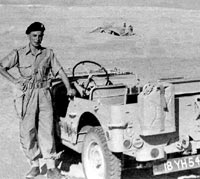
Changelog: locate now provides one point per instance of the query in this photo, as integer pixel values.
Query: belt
(43, 84)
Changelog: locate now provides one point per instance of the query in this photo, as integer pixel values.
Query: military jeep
(114, 117)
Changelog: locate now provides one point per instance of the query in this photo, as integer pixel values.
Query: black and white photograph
(105, 89)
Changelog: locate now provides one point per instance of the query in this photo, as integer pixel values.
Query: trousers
(36, 127)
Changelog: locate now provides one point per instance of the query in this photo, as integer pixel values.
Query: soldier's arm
(64, 77)
(7, 75)
(8, 62)
(58, 70)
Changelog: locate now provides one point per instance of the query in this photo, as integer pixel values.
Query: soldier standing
(35, 63)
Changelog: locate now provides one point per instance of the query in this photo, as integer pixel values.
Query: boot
(53, 173)
(34, 171)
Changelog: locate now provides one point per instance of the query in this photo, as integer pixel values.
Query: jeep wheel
(98, 161)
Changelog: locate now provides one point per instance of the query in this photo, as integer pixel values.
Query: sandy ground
(166, 44)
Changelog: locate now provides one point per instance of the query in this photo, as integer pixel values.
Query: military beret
(35, 26)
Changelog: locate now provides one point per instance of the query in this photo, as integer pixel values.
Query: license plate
(177, 164)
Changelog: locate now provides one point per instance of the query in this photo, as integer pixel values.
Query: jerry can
(156, 109)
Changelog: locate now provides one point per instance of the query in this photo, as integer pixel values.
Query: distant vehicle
(115, 30)
(115, 118)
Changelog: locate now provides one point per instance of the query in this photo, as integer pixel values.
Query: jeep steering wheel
(90, 74)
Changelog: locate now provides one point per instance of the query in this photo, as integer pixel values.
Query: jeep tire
(98, 161)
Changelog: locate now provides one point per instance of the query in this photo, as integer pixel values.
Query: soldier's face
(35, 38)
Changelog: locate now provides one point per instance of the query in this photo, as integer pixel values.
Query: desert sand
(166, 44)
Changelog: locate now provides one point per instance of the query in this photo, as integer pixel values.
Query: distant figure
(130, 29)
(123, 30)
(34, 64)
